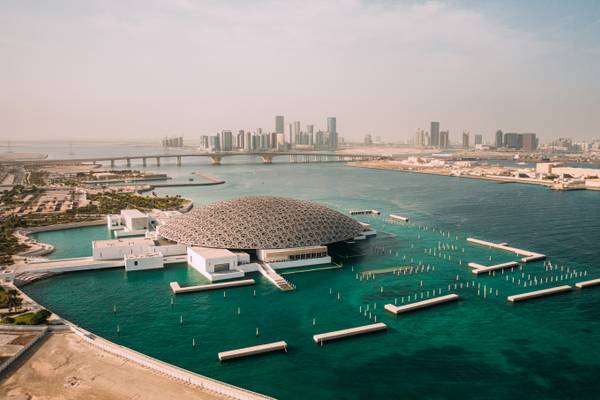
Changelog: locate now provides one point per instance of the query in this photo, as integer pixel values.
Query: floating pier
(420, 304)
(539, 293)
(528, 256)
(253, 350)
(482, 269)
(359, 330)
(362, 212)
(584, 284)
(398, 218)
(176, 289)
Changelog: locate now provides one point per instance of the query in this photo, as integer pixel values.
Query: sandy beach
(65, 367)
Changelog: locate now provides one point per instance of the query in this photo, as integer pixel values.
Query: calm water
(476, 348)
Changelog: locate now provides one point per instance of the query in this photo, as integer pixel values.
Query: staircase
(268, 272)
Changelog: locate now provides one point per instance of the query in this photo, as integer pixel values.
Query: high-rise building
(319, 138)
(368, 140)
(248, 141)
(279, 124)
(444, 139)
(465, 140)
(204, 142)
(226, 141)
(332, 132)
(478, 139)
(499, 140)
(512, 140)
(240, 139)
(215, 143)
(435, 133)
(297, 137)
(529, 141)
(291, 133)
(273, 143)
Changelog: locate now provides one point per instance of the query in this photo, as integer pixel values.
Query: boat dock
(176, 289)
(528, 256)
(420, 304)
(253, 350)
(584, 284)
(539, 293)
(272, 276)
(344, 333)
(364, 212)
(478, 269)
(398, 218)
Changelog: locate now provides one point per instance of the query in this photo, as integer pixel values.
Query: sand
(66, 367)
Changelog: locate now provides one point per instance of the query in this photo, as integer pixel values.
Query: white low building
(294, 257)
(114, 249)
(219, 264)
(140, 262)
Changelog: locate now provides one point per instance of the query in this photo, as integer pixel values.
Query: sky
(142, 70)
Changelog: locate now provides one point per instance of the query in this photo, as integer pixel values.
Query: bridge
(266, 157)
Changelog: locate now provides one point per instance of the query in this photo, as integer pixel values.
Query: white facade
(118, 248)
(294, 257)
(143, 261)
(217, 264)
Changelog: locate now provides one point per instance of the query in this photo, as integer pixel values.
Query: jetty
(539, 293)
(344, 333)
(177, 289)
(420, 304)
(398, 218)
(584, 284)
(478, 269)
(528, 256)
(253, 350)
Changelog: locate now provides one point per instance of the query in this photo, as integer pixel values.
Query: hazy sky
(144, 69)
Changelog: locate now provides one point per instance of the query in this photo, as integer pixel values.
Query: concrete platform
(398, 218)
(344, 333)
(584, 284)
(176, 289)
(253, 350)
(528, 256)
(420, 304)
(483, 269)
(539, 293)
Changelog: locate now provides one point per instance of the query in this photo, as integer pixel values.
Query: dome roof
(260, 222)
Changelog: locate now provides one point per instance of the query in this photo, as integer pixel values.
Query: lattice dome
(260, 222)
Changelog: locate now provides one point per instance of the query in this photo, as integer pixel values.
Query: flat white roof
(100, 244)
(209, 252)
(133, 213)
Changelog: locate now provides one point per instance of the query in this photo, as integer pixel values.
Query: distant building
(215, 143)
(291, 133)
(248, 142)
(435, 133)
(332, 132)
(320, 138)
(204, 142)
(529, 141)
(279, 124)
(241, 138)
(478, 139)
(297, 131)
(444, 139)
(499, 140)
(226, 141)
(368, 140)
(172, 142)
(512, 140)
(465, 140)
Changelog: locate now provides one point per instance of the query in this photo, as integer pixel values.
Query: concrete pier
(398, 217)
(359, 330)
(365, 212)
(253, 350)
(528, 256)
(420, 304)
(539, 293)
(478, 269)
(176, 289)
(584, 284)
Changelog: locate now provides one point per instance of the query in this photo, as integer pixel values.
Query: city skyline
(141, 70)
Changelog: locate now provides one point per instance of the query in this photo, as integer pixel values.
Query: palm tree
(13, 301)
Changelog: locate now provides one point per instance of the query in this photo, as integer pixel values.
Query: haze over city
(141, 70)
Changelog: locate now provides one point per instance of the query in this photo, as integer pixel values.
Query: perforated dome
(261, 222)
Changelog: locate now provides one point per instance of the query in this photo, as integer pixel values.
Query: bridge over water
(266, 157)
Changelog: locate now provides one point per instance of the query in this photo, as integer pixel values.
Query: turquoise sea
(480, 347)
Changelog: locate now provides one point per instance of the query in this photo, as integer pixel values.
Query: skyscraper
(444, 139)
(499, 141)
(512, 140)
(435, 133)
(279, 124)
(332, 131)
(226, 141)
(291, 133)
(297, 138)
(529, 141)
(478, 139)
(465, 140)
